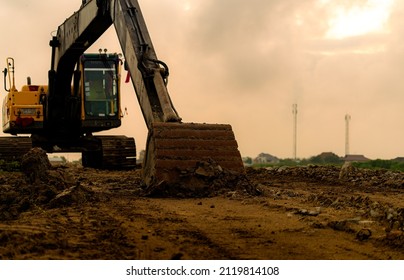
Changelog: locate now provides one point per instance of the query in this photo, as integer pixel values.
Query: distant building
(265, 158)
(355, 158)
(56, 160)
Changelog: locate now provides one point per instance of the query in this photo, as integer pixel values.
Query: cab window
(100, 89)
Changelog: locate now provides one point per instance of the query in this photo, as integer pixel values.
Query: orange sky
(246, 62)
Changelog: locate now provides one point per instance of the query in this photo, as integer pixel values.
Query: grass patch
(9, 165)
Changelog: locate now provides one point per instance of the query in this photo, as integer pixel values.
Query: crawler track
(118, 152)
(13, 148)
(114, 152)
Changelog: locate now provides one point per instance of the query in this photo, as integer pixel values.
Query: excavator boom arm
(84, 27)
(148, 77)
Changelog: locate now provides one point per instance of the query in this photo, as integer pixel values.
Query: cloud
(249, 43)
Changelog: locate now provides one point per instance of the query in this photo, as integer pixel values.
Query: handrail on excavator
(9, 71)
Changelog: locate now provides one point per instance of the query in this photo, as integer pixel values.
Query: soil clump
(40, 186)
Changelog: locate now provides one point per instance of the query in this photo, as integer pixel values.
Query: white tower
(294, 111)
(347, 120)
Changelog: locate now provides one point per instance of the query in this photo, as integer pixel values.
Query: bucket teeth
(202, 151)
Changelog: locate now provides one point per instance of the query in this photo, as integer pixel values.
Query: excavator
(83, 97)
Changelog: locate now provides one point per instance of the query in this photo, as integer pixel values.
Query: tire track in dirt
(222, 228)
(73, 233)
(160, 233)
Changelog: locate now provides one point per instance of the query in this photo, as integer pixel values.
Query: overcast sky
(246, 62)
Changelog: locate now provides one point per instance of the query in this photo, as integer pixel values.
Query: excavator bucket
(189, 159)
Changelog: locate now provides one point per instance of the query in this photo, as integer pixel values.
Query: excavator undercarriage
(104, 152)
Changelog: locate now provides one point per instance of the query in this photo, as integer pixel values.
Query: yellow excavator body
(181, 158)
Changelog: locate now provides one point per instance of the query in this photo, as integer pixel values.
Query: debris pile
(206, 179)
(336, 175)
(35, 165)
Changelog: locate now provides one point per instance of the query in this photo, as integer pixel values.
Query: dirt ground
(308, 212)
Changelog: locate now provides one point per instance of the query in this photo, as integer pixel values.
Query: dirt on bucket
(206, 179)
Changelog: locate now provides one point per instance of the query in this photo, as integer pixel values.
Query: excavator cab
(100, 91)
(100, 110)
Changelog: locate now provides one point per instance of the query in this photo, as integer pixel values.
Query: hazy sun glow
(187, 6)
(360, 19)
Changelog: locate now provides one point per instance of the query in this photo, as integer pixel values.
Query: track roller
(115, 152)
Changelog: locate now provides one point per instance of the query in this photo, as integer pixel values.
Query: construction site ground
(295, 213)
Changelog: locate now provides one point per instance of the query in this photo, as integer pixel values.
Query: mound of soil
(40, 186)
(35, 165)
